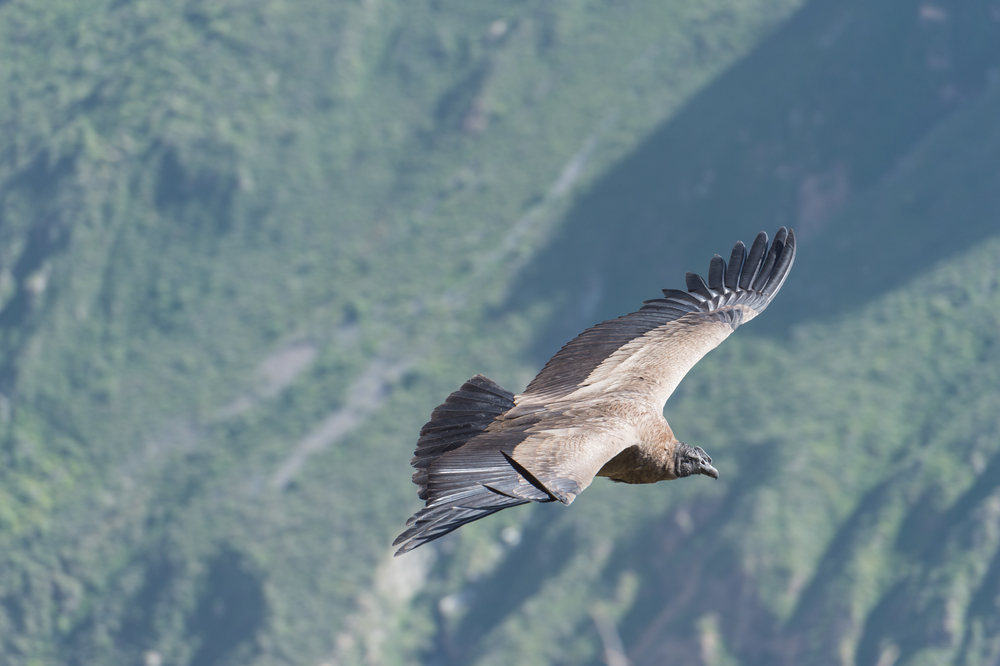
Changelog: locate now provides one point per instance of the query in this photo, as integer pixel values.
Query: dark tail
(465, 484)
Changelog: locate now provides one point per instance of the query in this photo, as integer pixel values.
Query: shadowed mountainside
(841, 106)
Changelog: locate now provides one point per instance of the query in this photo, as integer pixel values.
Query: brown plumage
(595, 409)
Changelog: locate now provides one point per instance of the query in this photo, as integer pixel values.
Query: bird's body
(596, 409)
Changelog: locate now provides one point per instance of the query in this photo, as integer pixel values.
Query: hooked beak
(694, 460)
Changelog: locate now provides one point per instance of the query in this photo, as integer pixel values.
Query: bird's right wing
(733, 294)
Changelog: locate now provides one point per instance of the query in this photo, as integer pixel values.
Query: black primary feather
(752, 264)
(696, 285)
(736, 260)
(717, 274)
(765, 270)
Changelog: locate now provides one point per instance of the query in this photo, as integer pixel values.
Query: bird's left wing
(644, 355)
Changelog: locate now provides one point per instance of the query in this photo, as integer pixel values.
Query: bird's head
(693, 460)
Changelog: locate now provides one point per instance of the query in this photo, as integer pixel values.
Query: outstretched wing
(733, 294)
(646, 354)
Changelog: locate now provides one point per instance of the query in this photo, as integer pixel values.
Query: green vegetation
(245, 247)
(222, 224)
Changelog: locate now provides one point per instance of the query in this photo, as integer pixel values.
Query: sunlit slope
(235, 237)
(855, 516)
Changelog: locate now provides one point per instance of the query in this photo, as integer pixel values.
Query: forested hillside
(245, 247)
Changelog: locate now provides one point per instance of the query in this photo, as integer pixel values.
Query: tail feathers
(435, 521)
(465, 486)
(466, 413)
(463, 481)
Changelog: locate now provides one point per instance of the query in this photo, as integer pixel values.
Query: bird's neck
(649, 461)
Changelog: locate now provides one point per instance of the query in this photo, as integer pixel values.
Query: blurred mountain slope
(246, 247)
(240, 244)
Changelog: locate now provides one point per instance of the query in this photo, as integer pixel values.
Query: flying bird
(595, 409)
